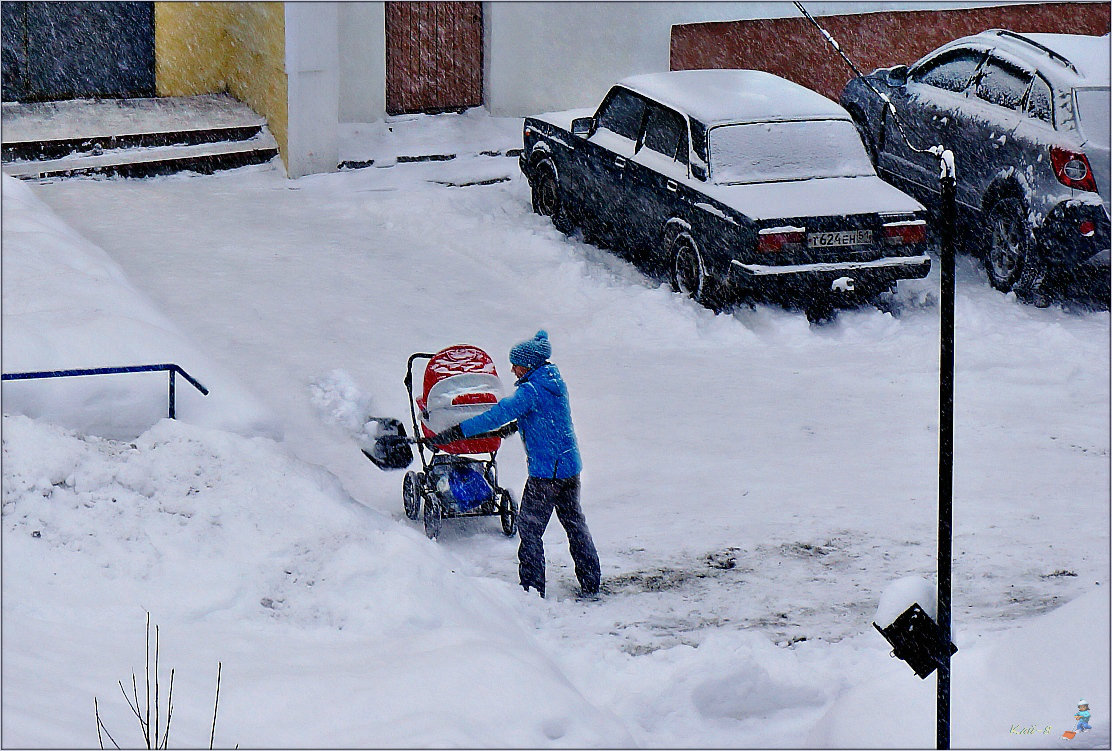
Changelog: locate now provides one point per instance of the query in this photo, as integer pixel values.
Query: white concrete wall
(543, 56)
(312, 70)
(362, 62)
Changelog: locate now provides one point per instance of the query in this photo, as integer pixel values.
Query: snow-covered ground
(753, 483)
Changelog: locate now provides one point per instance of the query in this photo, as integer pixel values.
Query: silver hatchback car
(1027, 116)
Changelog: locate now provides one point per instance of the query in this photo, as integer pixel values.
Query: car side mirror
(582, 126)
(897, 76)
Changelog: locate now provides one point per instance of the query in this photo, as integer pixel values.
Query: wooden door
(66, 50)
(434, 56)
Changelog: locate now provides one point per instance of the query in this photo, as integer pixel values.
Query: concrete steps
(132, 137)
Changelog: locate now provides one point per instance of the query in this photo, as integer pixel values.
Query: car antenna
(936, 150)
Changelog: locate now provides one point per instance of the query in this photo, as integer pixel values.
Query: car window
(792, 150)
(951, 72)
(665, 133)
(621, 113)
(1093, 110)
(1002, 84)
(1039, 101)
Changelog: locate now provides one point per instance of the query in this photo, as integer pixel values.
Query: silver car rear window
(793, 150)
(1093, 112)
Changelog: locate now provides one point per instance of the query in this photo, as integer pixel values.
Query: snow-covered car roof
(1088, 55)
(718, 96)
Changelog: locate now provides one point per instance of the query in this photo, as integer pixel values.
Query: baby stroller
(459, 382)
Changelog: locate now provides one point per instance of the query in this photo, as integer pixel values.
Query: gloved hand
(451, 435)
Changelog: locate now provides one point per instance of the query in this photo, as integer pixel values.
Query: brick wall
(794, 49)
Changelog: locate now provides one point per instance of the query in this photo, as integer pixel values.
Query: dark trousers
(541, 496)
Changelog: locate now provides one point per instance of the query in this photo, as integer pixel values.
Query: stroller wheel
(411, 495)
(432, 516)
(507, 510)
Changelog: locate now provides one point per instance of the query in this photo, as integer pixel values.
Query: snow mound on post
(901, 595)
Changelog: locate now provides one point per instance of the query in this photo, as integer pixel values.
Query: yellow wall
(233, 47)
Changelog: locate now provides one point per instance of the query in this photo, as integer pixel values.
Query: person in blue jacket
(542, 413)
(1082, 716)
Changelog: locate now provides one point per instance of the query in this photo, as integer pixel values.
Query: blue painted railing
(170, 367)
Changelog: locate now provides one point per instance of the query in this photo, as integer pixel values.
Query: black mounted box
(916, 639)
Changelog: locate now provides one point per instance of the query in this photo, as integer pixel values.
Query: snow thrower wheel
(432, 516)
(411, 495)
(507, 511)
(1009, 241)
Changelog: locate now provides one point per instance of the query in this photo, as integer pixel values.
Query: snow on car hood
(832, 196)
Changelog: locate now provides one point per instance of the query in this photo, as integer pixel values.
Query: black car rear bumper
(832, 276)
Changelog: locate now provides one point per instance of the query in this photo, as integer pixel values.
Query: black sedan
(731, 182)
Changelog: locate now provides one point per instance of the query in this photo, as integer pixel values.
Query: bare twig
(169, 710)
(160, 738)
(134, 708)
(155, 687)
(147, 657)
(96, 712)
(216, 706)
(100, 726)
(135, 693)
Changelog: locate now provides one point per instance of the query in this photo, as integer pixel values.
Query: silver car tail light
(1072, 169)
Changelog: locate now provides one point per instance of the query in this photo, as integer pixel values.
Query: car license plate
(839, 239)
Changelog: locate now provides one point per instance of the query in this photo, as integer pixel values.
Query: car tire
(1008, 243)
(545, 189)
(688, 269)
(411, 495)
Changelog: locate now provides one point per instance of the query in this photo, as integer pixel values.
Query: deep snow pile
(66, 305)
(246, 556)
(754, 485)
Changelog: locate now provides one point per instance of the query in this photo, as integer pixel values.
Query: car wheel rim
(547, 198)
(1007, 248)
(689, 270)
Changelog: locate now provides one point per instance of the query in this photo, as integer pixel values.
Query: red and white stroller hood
(460, 382)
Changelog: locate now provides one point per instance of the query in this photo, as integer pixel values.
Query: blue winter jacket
(540, 406)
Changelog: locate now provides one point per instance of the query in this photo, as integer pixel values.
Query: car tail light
(777, 239)
(1087, 228)
(905, 233)
(1072, 169)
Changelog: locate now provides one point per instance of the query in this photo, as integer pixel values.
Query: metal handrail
(172, 368)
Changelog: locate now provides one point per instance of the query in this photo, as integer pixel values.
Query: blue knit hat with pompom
(531, 353)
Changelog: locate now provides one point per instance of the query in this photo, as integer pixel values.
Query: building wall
(313, 79)
(794, 49)
(214, 47)
(362, 42)
(544, 56)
